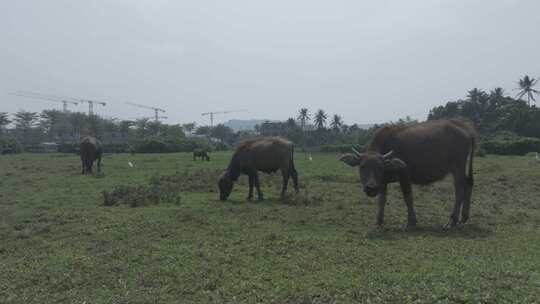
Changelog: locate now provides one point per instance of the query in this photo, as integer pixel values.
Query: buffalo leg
(459, 189)
(294, 176)
(89, 165)
(258, 186)
(99, 164)
(83, 163)
(381, 204)
(251, 181)
(406, 189)
(286, 175)
(466, 203)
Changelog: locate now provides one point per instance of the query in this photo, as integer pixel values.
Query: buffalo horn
(388, 155)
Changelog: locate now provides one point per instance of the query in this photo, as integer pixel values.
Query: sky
(368, 61)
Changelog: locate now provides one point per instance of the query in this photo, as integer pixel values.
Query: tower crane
(218, 112)
(33, 95)
(65, 100)
(156, 110)
(90, 104)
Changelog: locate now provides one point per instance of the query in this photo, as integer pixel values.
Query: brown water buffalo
(420, 154)
(90, 150)
(266, 154)
(200, 153)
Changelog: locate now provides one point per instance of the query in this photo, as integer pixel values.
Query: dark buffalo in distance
(266, 154)
(419, 154)
(90, 150)
(6, 151)
(200, 153)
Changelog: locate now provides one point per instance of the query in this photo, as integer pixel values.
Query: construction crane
(220, 112)
(45, 97)
(90, 104)
(156, 110)
(66, 100)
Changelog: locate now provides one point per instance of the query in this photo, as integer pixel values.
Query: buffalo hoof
(260, 199)
(411, 223)
(452, 223)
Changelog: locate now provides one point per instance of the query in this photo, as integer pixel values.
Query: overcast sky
(369, 61)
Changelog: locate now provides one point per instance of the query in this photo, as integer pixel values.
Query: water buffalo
(90, 150)
(419, 154)
(200, 153)
(266, 154)
(6, 151)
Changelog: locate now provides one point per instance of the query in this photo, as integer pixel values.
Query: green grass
(60, 244)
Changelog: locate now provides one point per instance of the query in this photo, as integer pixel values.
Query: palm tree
(526, 87)
(320, 119)
(291, 123)
(477, 95)
(497, 93)
(496, 96)
(337, 123)
(303, 117)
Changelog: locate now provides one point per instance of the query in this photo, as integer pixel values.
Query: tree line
(492, 112)
(495, 111)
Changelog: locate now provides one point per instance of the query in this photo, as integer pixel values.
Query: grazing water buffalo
(6, 151)
(90, 151)
(200, 153)
(418, 154)
(266, 154)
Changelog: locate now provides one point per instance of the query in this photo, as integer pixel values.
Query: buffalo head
(225, 184)
(372, 167)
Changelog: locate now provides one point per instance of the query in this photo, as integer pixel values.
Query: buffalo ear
(350, 159)
(395, 164)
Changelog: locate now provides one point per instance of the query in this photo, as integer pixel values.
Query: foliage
(526, 87)
(303, 117)
(168, 145)
(4, 121)
(510, 145)
(157, 191)
(320, 119)
(337, 123)
(493, 113)
(11, 144)
(224, 134)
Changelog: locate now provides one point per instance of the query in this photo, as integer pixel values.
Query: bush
(157, 191)
(73, 147)
(11, 145)
(510, 145)
(172, 145)
(152, 145)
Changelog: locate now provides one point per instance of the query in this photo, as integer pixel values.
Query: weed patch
(157, 191)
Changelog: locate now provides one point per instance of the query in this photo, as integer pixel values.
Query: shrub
(170, 145)
(72, 147)
(11, 144)
(510, 145)
(157, 191)
(151, 145)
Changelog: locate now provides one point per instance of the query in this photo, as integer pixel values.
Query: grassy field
(60, 244)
